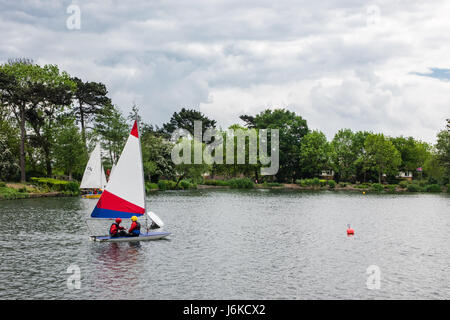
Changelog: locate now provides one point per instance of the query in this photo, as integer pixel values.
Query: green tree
(90, 100)
(413, 153)
(189, 169)
(156, 155)
(292, 128)
(434, 169)
(315, 154)
(8, 165)
(33, 94)
(344, 154)
(361, 164)
(11, 97)
(443, 150)
(184, 119)
(48, 106)
(69, 150)
(112, 130)
(239, 146)
(9, 132)
(381, 155)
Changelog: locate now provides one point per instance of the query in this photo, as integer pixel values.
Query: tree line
(50, 120)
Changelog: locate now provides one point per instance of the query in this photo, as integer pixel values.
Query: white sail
(124, 195)
(104, 181)
(94, 175)
(112, 170)
(128, 180)
(157, 220)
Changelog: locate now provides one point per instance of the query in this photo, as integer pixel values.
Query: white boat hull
(142, 237)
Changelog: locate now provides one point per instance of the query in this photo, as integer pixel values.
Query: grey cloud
(164, 55)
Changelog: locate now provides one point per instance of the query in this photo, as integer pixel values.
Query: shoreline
(37, 195)
(16, 191)
(32, 191)
(293, 186)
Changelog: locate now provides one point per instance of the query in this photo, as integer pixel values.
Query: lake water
(225, 244)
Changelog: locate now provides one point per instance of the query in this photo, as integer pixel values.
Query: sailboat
(124, 195)
(94, 175)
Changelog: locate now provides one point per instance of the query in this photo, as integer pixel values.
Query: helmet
(133, 218)
(118, 220)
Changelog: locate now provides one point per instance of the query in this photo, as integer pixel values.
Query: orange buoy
(350, 231)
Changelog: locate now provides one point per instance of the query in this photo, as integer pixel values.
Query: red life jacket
(114, 228)
(135, 228)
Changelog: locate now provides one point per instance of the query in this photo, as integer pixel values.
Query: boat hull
(142, 237)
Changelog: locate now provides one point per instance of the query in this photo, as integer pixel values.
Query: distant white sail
(104, 181)
(94, 175)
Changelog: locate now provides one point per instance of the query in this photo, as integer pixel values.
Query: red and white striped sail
(124, 195)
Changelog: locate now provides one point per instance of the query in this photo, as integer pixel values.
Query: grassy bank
(235, 183)
(403, 186)
(163, 185)
(46, 187)
(38, 187)
(302, 184)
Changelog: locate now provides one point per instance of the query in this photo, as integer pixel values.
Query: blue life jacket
(137, 230)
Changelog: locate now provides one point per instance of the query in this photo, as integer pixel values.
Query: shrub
(414, 188)
(343, 184)
(166, 185)
(315, 182)
(185, 184)
(73, 187)
(448, 188)
(421, 183)
(378, 187)
(212, 182)
(150, 186)
(22, 190)
(162, 185)
(272, 184)
(323, 183)
(332, 184)
(303, 182)
(433, 188)
(391, 187)
(10, 193)
(172, 185)
(49, 184)
(241, 183)
(2, 184)
(403, 184)
(432, 180)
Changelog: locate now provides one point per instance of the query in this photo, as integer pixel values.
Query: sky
(381, 66)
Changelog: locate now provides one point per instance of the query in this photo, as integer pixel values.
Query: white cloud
(329, 61)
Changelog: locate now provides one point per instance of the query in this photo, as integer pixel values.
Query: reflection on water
(226, 244)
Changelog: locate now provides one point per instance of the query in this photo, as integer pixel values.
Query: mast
(143, 176)
(101, 165)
